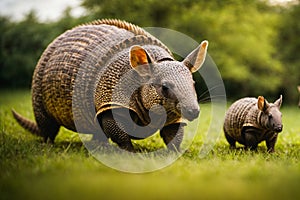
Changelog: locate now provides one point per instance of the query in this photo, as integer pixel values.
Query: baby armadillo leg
(173, 135)
(230, 140)
(115, 130)
(271, 144)
(251, 139)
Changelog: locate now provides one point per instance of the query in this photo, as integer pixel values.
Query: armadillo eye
(167, 89)
(270, 116)
(165, 86)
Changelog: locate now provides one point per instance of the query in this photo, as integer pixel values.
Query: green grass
(30, 169)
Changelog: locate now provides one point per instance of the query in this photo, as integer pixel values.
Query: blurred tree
(143, 13)
(288, 50)
(22, 43)
(21, 46)
(67, 21)
(241, 35)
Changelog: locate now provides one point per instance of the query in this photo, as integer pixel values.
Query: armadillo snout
(278, 128)
(191, 113)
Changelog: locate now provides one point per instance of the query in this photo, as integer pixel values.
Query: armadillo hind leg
(230, 140)
(172, 135)
(115, 130)
(48, 127)
(45, 127)
(49, 130)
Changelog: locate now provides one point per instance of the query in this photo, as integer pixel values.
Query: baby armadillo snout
(278, 128)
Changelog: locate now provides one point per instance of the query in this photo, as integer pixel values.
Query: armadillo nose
(191, 113)
(278, 128)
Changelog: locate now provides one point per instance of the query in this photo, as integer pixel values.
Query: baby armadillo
(101, 62)
(250, 121)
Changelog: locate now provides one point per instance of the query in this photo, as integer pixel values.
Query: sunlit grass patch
(31, 169)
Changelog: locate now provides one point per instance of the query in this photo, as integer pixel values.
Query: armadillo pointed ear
(197, 57)
(298, 88)
(278, 102)
(140, 60)
(262, 104)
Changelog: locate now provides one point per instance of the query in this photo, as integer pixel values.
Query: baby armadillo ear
(197, 57)
(298, 88)
(278, 102)
(140, 60)
(262, 104)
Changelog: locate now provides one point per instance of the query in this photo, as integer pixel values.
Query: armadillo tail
(26, 123)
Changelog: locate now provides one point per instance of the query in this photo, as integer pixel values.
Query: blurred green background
(254, 43)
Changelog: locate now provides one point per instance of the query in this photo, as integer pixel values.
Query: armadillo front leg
(250, 137)
(115, 130)
(271, 143)
(173, 135)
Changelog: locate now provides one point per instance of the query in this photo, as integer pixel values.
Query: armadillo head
(170, 83)
(271, 116)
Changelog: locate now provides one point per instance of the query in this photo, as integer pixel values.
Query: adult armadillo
(102, 52)
(250, 121)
